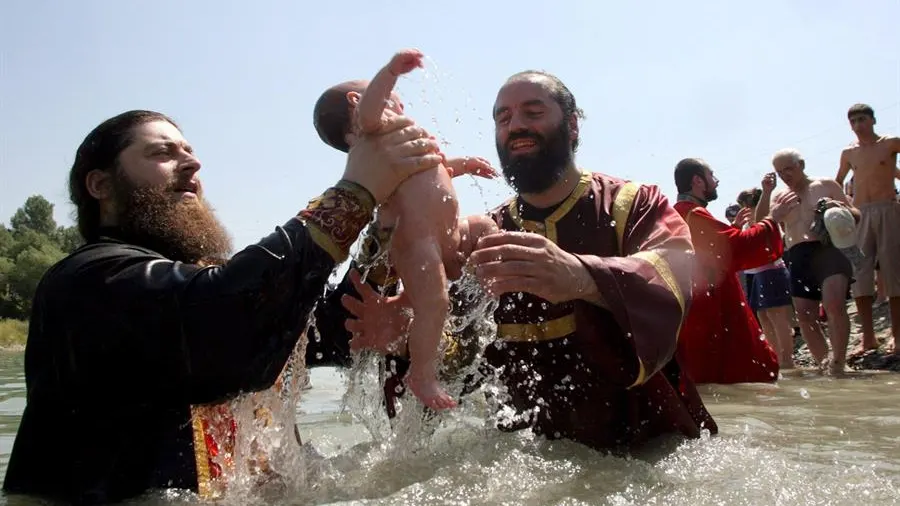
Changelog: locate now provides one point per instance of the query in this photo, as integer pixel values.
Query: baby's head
(333, 114)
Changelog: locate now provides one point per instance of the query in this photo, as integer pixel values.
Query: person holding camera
(769, 292)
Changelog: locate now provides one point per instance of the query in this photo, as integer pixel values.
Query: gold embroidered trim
(335, 218)
(543, 331)
(365, 197)
(382, 276)
(325, 242)
(642, 374)
(664, 271)
(201, 457)
(547, 228)
(452, 346)
(621, 209)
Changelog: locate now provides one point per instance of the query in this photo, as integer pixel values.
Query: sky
(730, 82)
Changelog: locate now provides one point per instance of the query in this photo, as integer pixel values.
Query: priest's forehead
(528, 90)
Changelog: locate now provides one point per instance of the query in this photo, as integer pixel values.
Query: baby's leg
(473, 228)
(419, 264)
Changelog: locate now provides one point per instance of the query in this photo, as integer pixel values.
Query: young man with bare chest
(873, 160)
(819, 271)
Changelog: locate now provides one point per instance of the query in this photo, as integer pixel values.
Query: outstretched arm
(207, 333)
(739, 249)
(372, 104)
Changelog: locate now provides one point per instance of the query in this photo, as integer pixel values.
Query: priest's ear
(573, 131)
(99, 184)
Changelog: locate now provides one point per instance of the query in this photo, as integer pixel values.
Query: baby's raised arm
(371, 105)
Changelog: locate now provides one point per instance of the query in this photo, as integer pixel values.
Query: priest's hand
(743, 217)
(381, 161)
(381, 322)
(509, 262)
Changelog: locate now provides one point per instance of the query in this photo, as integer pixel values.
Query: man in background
(873, 160)
(720, 341)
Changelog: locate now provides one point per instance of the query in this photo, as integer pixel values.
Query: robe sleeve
(647, 290)
(328, 340)
(734, 249)
(205, 334)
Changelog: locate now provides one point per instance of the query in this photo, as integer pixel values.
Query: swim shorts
(770, 288)
(810, 263)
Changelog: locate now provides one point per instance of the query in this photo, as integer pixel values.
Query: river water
(806, 440)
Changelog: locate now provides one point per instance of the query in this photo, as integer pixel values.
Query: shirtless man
(430, 243)
(873, 160)
(818, 272)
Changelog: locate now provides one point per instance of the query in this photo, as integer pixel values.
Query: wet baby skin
(430, 242)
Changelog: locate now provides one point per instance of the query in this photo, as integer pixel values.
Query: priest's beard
(710, 193)
(186, 231)
(536, 172)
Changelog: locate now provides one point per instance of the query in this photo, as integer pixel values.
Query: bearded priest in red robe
(721, 341)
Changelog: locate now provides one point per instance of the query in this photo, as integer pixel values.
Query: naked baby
(430, 242)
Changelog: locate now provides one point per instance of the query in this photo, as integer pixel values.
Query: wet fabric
(770, 288)
(810, 263)
(605, 377)
(721, 340)
(127, 350)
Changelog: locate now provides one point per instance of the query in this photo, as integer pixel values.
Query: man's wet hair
(685, 170)
(560, 93)
(860, 109)
(332, 116)
(100, 150)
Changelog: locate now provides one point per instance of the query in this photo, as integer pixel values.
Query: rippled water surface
(807, 440)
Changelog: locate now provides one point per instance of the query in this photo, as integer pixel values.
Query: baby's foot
(429, 391)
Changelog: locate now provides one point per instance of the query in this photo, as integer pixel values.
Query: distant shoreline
(13, 334)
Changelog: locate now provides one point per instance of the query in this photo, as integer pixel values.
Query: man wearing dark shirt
(153, 316)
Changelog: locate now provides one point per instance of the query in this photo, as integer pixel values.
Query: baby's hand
(474, 165)
(405, 61)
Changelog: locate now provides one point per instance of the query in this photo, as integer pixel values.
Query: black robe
(124, 342)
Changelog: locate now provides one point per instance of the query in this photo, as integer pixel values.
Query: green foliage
(30, 246)
(13, 333)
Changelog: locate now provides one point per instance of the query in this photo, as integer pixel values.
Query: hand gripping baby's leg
(420, 267)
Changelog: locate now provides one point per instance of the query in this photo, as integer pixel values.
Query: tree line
(28, 247)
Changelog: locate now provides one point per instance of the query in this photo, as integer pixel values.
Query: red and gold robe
(605, 377)
(721, 341)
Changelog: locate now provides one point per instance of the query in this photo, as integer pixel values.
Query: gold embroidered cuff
(365, 196)
(543, 331)
(383, 276)
(336, 217)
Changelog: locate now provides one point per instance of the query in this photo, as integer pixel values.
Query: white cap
(841, 227)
